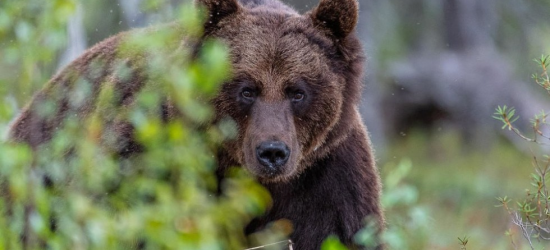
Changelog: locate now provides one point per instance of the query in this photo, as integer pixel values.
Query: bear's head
(294, 79)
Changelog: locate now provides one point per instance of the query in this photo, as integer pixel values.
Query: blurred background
(436, 71)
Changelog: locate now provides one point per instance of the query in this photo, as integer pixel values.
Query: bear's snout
(271, 150)
(273, 155)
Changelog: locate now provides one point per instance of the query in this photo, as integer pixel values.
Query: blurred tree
(436, 61)
(468, 23)
(76, 38)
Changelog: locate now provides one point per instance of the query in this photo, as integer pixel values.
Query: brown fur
(329, 184)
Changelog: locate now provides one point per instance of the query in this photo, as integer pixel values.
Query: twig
(272, 244)
(524, 231)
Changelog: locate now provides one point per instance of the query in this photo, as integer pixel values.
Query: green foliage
(333, 243)
(452, 189)
(531, 215)
(543, 79)
(506, 115)
(31, 33)
(407, 219)
(75, 192)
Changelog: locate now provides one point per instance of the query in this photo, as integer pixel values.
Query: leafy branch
(532, 215)
(543, 79)
(508, 116)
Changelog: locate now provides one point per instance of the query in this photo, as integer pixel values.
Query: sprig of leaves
(543, 79)
(463, 242)
(508, 116)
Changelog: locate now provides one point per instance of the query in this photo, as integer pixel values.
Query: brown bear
(294, 95)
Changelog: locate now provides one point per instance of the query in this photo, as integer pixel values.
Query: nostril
(272, 153)
(280, 154)
(267, 154)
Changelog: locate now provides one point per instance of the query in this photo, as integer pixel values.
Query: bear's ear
(339, 17)
(218, 9)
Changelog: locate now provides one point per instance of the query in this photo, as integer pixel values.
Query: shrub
(532, 214)
(74, 192)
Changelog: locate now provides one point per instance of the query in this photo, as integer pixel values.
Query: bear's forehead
(278, 48)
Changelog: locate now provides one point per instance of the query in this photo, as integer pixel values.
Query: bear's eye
(247, 93)
(298, 96)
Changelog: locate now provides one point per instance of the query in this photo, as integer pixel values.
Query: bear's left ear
(218, 9)
(339, 17)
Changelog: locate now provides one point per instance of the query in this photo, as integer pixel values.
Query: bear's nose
(272, 154)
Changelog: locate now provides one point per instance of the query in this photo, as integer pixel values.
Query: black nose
(272, 153)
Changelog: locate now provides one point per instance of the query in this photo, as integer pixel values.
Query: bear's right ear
(218, 9)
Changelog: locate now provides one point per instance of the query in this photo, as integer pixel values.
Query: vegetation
(74, 193)
(532, 214)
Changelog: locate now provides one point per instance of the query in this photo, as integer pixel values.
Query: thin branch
(289, 242)
(524, 231)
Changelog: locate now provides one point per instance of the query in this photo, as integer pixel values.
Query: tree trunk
(76, 38)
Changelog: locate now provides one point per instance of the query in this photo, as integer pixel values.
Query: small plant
(532, 214)
(543, 79)
(463, 242)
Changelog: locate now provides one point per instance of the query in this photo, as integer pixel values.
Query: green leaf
(333, 243)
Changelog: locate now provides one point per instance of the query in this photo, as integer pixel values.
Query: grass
(456, 188)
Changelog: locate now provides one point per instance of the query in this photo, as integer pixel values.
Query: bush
(531, 215)
(74, 192)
